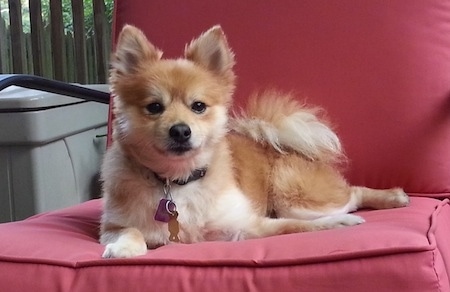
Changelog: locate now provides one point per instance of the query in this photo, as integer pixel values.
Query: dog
(182, 168)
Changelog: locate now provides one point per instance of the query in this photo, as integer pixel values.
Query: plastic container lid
(19, 98)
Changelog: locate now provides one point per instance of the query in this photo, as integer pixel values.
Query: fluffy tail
(284, 123)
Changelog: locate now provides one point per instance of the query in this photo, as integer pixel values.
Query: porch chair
(381, 69)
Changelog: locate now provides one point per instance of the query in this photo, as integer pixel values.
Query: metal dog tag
(165, 209)
(174, 227)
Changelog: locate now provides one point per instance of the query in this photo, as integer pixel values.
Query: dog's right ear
(133, 49)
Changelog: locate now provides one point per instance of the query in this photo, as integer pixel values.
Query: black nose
(180, 132)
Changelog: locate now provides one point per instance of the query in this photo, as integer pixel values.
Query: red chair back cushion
(381, 69)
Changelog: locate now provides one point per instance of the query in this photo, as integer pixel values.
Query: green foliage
(88, 14)
(66, 10)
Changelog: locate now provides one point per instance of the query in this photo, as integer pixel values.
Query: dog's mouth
(179, 148)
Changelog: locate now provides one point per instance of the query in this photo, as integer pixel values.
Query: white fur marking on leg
(307, 214)
(125, 247)
(340, 220)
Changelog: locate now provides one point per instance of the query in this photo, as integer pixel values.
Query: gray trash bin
(50, 152)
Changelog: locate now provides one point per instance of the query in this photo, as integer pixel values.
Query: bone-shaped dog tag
(174, 227)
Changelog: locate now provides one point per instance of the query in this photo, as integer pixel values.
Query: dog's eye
(198, 107)
(155, 108)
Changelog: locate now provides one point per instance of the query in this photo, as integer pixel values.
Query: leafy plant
(66, 11)
(88, 14)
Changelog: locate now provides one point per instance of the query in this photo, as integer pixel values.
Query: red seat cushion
(408, 248)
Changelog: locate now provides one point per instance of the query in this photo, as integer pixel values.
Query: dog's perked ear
(133, 49)
(211, 51)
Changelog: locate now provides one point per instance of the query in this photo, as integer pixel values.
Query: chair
(380, 68)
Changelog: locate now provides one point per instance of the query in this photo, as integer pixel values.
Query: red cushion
(380, 68)
(395, 250)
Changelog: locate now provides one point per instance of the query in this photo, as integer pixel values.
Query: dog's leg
(309, 190)
(124, 243)
(379, 199)
(334, 217)
(264, 226)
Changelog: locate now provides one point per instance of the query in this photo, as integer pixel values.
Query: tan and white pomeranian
(181, 169)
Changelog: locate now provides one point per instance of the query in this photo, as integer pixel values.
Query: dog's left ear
(212, 52)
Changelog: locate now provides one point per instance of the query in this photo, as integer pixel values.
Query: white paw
(337, 221)
(125, 249)
(349, 220)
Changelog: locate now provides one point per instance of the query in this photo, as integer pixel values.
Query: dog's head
(170, 108)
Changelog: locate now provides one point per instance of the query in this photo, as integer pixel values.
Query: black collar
(195, 175)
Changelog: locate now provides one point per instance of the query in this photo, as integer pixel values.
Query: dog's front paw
(117, 250)
(129, 244)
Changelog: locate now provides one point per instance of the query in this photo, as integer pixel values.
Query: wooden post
(15, 16)
(36, 35)
(2, 37)
(100, 38)
(79, 36)
(3, 46)
(58, 48)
